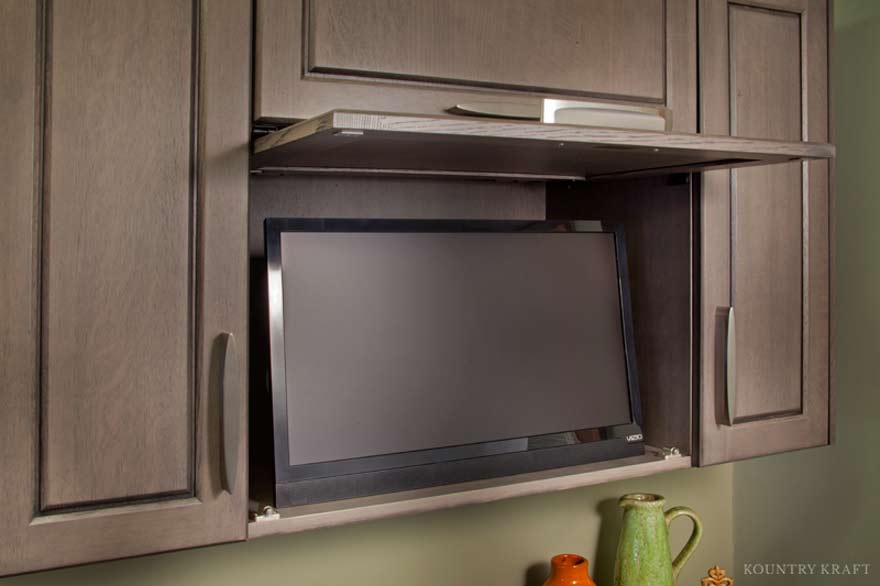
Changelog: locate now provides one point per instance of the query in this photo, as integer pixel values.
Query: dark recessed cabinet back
(123, 251)
(424, 57)
(765, 233)
(660, 258)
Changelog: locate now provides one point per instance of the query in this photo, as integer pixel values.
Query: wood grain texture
(656, 216)
(32, 540)
(767, 290)
(681, 64)
(565, 46)
(832, 227)
(765, 235)
(375, 140)
(765, 56)
(661, 70)
(19, 115)
(308, 517)
(117, 318)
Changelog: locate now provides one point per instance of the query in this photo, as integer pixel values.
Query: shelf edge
(340, 120)
(429, 174)
(296, 519)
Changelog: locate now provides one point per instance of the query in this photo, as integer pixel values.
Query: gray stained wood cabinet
(124, 209)
(765, 233)
(123, 249)
(312, 56)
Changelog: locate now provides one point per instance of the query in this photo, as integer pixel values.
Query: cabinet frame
(34, 538)
(285, 89)
(718, 438)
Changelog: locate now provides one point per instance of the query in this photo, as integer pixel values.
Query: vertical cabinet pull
(730, 365)
(230, 409)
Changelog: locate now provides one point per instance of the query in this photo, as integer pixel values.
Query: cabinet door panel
(767, 242)
(424, 57)
(124, 250)
(767, 291)
(567, 46)
(117, 282)
(765, 232)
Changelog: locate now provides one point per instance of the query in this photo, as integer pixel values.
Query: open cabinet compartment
(656, 214)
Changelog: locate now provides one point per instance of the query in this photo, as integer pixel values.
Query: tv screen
(410, 343)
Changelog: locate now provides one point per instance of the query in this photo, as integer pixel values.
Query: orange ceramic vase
(569, 569)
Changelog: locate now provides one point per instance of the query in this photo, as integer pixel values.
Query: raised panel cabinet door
(765, 384)
(123, 249)
(424, 57)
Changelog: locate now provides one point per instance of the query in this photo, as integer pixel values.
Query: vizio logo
(635, 437)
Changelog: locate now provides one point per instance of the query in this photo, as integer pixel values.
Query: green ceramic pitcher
(643, 557)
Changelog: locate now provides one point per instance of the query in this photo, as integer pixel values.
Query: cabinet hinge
(266, 514)
(666, 452)
(670, 452)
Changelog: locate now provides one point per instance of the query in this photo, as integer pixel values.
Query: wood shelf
(373, 143)
(330, 514)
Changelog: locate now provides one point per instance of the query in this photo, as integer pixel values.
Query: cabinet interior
(656, 214)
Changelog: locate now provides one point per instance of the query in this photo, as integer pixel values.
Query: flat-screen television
(411, 353)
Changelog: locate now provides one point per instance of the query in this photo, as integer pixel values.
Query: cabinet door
(765, 233)
(426, 56)
(123, 253)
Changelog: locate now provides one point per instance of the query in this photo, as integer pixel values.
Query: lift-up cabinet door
(123, 255)
(425, 56)
(765, 233)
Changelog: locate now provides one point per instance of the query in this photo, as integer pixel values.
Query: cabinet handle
(230, 408)
(730, 365)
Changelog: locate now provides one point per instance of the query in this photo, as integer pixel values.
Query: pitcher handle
(689, 547)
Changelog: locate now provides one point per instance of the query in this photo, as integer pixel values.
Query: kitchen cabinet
(123, 249)
(125, 157)
(765, 233)
(425, 57)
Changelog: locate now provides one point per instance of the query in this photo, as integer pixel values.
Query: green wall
(822, 505)
(505, 543)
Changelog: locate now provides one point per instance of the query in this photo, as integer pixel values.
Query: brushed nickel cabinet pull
(230, 409)
(730, 365)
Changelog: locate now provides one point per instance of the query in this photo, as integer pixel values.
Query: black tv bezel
(327, 481)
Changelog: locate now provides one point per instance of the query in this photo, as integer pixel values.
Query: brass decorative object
(717, 577)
